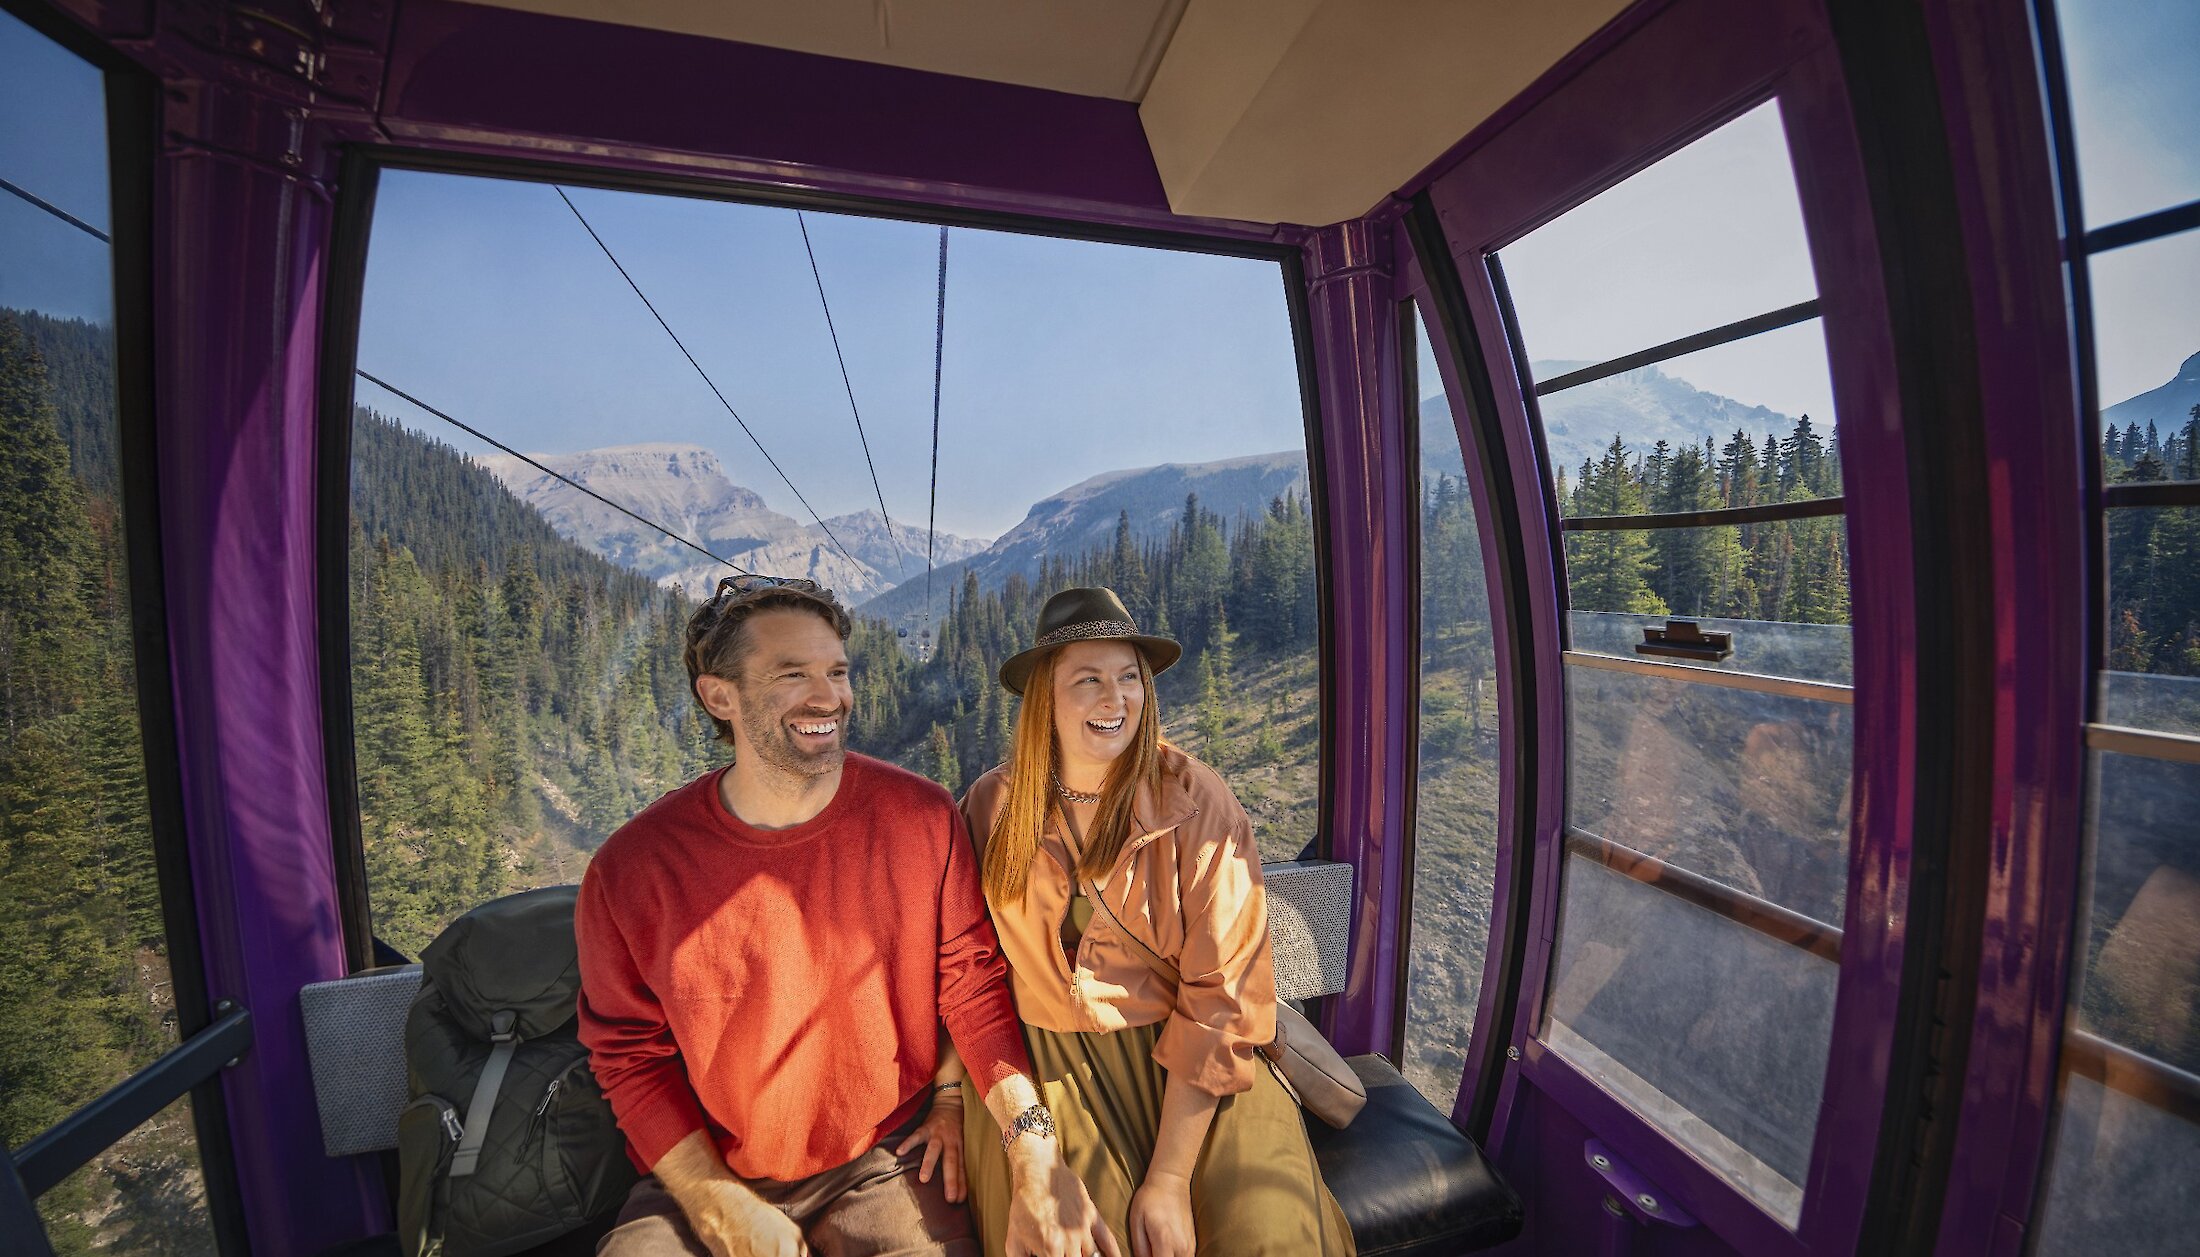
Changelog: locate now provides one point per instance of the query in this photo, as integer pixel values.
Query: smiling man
(767, 954)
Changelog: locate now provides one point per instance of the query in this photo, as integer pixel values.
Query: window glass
(85, 995)
(1108, 415)
(2121, 1176)
(1455, 813)
(1747, 423)
(2134, 103)
(1748, 789)
(1713, 1031)
(2140, 987)
(2146, 351)
(2140, 700)
(145, 1194)
(1708, 236)
(1788, 576)
(1779, 648)
(1698, 949)
(2154, 590)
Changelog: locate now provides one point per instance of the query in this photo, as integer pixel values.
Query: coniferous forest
(84, 993)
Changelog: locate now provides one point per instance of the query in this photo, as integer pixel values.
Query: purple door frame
(1679, 70)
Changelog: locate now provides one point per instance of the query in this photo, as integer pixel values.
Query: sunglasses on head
(734, 588)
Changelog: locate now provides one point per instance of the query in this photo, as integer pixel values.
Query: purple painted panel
(2035, 434)
(467, 73)
(1350, 306)
(239, 250)
(1693, 64)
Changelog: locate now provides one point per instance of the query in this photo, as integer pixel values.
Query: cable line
(479, 435)
(939, 354)
(899, 554)
(56, 211)
(677, 342)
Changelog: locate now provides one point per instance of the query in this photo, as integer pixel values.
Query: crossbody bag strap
(1092, 891)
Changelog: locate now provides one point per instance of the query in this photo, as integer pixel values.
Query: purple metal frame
(2036, 434)
(1351, 305)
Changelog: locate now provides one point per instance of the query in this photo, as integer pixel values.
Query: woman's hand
(942, 1135)
(1160, 1219)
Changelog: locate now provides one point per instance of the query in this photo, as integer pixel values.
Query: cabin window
(1455, 801)
(1106, 415)
(2127, 1127)
(86, 995)
(1679, 372)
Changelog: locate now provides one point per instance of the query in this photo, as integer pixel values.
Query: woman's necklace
(1074, 796)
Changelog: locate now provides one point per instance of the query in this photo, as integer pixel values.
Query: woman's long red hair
(1032, 765)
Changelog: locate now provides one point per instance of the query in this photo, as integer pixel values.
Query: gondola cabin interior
(1684, 518)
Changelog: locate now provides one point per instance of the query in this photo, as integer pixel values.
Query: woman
(1182, 1136)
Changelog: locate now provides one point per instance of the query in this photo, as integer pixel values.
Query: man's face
(789, 705)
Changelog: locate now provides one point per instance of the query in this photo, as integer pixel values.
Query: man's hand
(729, 1219)
(1049, 1214)
(942, 1137)
(1161, 1217)
(737, 1223)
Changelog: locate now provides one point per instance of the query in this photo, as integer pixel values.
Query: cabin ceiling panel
(1312, 111)
(1090, 49)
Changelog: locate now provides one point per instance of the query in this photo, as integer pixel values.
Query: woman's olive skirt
(1255, 1191)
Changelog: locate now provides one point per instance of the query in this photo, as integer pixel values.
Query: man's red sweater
(784, 989)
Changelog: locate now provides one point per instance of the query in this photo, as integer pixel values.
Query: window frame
(1852, 89)
(342, 310)
(2075, 1050)
(133, 103)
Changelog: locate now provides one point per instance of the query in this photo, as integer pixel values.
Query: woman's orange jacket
(1188, 883)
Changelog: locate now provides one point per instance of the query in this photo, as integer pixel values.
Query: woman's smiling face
(1099, 696)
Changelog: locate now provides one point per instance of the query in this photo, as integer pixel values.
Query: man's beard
(774, 743)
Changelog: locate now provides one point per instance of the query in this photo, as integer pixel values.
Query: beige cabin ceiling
(1303, 111)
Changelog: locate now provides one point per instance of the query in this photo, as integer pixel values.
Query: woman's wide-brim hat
(1086, 615)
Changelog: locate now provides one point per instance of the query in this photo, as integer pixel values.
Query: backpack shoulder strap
(485, 1095)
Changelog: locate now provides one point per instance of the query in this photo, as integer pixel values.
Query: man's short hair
(717, 634)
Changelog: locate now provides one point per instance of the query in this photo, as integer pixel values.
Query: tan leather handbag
(1302, 1060)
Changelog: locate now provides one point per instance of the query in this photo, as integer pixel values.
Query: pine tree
(1609, 570)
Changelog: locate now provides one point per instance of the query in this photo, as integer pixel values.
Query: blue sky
(1063, 358)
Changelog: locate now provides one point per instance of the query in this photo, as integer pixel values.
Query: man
(767, 955)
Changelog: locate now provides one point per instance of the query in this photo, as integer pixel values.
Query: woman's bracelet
(942, 1088)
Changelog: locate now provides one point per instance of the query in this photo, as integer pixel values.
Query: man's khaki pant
(871, 1207)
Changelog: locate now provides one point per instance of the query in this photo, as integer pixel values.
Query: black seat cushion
(1409, 1182)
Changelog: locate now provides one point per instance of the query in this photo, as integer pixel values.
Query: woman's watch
(1036, 1120)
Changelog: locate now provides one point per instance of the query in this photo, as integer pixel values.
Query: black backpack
(508, 1142)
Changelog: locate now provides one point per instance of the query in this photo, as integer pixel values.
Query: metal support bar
(1754, 682)
(2157, 493)
(22, 1231)
(2143, 228)
(2135, 1074)
(2177, 748)
(91, 1130)
(1788, 316)
(1742, 908)
(1724, 517)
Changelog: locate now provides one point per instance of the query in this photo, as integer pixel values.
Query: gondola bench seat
(1410, 1184)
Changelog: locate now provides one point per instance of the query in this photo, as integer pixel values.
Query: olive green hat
(1086, 615)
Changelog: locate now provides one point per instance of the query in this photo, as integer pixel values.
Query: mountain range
(685, 488)
(2168, 408)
